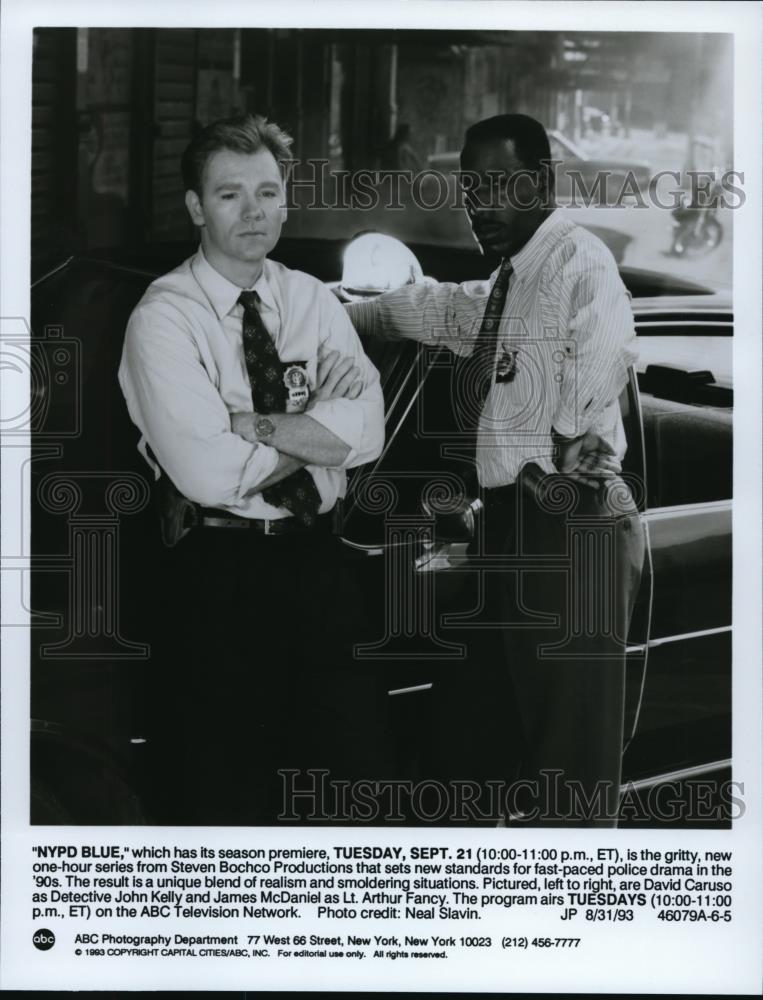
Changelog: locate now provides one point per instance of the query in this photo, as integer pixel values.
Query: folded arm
(284, 467)
(293, 434)
(344, 424)
(173, 401)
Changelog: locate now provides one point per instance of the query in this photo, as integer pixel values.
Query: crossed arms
(298, 438)
(207, 447)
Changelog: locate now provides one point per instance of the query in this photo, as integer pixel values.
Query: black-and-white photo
(380, 416)
(381, 402)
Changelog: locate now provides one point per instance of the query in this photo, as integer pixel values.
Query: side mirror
(456, 524)
(375, 263)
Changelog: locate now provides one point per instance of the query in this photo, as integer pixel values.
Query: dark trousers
(572, 560)
(256, 676)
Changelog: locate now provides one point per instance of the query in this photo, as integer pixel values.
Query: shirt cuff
(344, 418)
(570, 424)
(260, 464)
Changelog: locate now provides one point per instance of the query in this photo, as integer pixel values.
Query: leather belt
(210, 517)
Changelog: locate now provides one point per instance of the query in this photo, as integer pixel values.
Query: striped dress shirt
(566, 330)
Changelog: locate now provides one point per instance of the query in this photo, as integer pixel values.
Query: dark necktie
(477, 371)
(297, 493)
(483, 354)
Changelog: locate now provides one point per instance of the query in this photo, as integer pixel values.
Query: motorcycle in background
(696, 229)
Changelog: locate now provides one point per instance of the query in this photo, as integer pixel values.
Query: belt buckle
(266, 527)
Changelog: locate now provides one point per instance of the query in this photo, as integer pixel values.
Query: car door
(683, 728)
(412, 514)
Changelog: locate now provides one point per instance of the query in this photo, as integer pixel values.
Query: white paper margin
(632, 960)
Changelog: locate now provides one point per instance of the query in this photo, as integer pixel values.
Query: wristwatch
(264, 428)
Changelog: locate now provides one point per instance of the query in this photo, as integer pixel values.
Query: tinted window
(688, 452)
(685, 380)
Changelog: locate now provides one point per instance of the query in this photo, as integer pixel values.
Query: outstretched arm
(427, 312)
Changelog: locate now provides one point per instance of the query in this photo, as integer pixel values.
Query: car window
(688, 452)
(687, 408)
(440, 93)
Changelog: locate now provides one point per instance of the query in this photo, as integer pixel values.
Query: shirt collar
(528, 260)
(223, 294)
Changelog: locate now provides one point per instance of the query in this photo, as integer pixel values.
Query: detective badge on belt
(295, 380)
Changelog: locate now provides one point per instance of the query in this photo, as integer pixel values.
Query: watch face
(264, 427)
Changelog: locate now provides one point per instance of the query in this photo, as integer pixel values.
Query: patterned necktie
(477, 371)
(297, 492)
(483, 354)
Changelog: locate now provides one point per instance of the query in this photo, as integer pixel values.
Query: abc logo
(43, 939)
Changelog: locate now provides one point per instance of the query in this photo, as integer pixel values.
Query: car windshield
(640, 127)
(648, 116)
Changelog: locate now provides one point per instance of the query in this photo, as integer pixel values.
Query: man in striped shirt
(551, 336)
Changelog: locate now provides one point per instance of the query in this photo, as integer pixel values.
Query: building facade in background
(114, 108)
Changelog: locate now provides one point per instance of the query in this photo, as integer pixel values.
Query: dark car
(94, 536)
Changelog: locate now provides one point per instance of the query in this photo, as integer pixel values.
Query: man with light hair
(253, 397)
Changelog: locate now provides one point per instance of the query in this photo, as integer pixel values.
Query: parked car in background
(93, 751)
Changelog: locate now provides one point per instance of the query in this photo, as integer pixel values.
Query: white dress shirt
(183, 373)
(567, 316)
